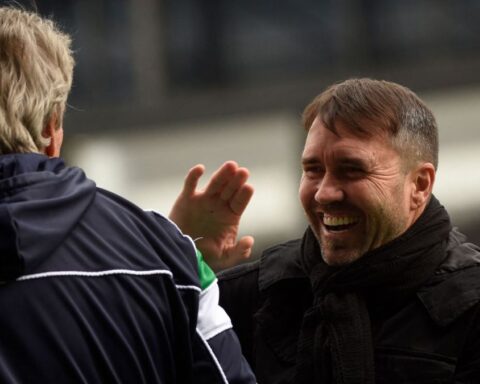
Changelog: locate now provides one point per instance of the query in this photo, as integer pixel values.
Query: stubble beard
(336, 255)
(390, 225)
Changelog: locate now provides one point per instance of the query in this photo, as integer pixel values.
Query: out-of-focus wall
(148, 166)
(163, 84)
(458, 177)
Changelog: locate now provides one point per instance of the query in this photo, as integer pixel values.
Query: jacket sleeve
(216, 352)
(216, 336)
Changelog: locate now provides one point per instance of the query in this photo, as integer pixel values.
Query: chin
(338, 258)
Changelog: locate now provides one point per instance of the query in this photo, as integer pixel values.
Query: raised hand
(212, 216)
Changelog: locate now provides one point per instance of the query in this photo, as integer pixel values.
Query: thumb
(245, 245)
(241, 251)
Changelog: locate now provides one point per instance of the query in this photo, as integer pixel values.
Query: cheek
(389, 203)
(385, 190)
(306, 192)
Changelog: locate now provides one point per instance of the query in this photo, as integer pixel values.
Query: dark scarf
(335, 343)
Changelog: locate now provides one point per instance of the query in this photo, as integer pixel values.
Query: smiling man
(355, 191)
(362, 184)
(380, 289)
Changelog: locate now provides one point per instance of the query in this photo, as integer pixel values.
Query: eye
(313, 171)
(352, 172)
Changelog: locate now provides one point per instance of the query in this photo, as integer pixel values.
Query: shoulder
(245, 283)
(275, 263)
(280, 262)
(149, 238)
(460, 254)
(239, 285)
(240, 273)
(455, 288)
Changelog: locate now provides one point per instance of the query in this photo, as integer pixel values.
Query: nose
(329, 190)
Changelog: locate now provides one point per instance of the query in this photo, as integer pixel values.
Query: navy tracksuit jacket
(95, 290)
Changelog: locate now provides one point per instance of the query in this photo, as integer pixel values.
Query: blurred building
(162, 85)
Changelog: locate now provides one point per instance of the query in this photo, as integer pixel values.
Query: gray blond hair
(36, 69)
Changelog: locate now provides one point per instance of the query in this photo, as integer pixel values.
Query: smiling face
(355, 191)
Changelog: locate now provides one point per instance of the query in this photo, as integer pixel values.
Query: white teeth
(334, 221)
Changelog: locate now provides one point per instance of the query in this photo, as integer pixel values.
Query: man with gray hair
(93, 289)
(380, 289)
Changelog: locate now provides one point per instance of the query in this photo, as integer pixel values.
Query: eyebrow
(353, 161)
(310, 160)
(341, 161)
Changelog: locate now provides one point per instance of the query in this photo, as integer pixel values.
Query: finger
(235, 183)
(191, 180)
(221, 177)
(241, 199)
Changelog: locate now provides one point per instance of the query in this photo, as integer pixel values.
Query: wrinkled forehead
(343, 142)
(361, 127)
(320, 133)
(361, 120)
(341, 156)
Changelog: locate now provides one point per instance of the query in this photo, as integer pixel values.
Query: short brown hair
(36, 67)
(369, 107)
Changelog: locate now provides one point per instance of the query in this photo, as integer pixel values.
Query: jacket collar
(279, 263)
(282, 282)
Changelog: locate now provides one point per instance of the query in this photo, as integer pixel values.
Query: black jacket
(434, 338)
(95, 290)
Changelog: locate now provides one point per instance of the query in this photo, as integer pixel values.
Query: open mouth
(339, 223)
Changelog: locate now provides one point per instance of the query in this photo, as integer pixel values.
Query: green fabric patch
(205, 273)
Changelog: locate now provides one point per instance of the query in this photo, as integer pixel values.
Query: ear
(55, 134)
(423, 178)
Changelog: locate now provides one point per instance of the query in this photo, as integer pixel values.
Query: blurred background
(161, 85)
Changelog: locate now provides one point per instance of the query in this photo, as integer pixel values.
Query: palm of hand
(212, 216)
